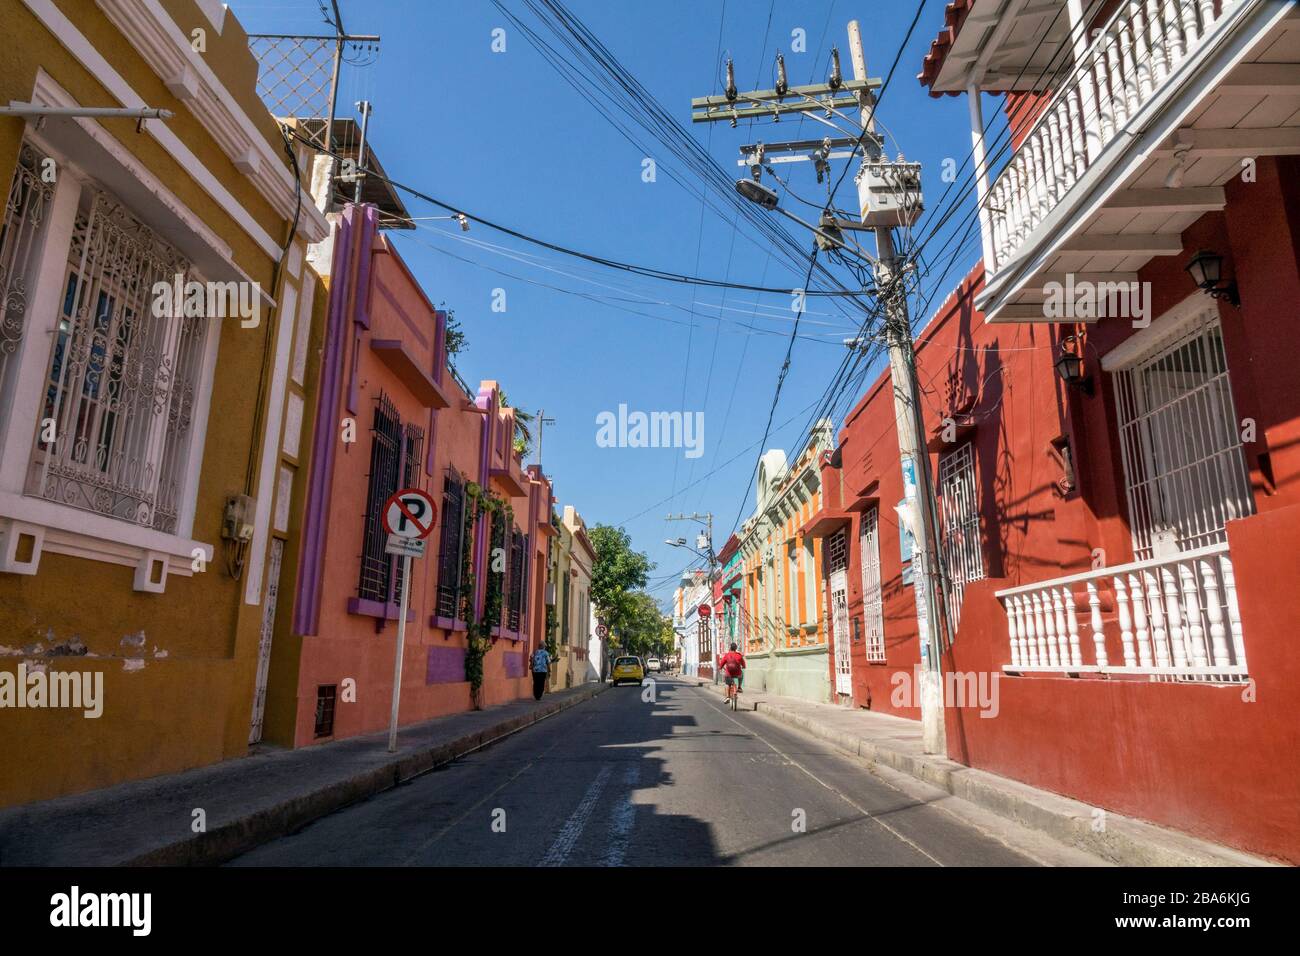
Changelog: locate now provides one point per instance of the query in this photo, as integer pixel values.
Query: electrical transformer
(889, 194)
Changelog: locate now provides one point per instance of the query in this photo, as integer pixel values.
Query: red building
(1116, 450)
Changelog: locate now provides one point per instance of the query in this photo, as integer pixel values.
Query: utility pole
(918, 510)
(364, 107)
(888, 197)
(542, 422)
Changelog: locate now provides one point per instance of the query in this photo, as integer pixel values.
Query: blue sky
(505, 137)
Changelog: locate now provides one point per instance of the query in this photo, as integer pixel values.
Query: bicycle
(733, 693)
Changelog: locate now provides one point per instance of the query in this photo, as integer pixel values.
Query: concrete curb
(229, 840)
(1121, 840)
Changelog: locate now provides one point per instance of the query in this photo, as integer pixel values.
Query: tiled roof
(954, 15)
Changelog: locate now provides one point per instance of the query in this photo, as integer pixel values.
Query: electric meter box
(889, 193)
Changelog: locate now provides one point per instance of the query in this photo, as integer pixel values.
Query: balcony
(1172, 618)
(1154, 116)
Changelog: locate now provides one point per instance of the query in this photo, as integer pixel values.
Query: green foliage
(523, 440)
(552, 625)
(646, 632)
(618, 571)
(455, 341)
(479, 632)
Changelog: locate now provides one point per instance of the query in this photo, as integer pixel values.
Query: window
(385, 463)
(451, 548)
(873, 608)
(792, 576)
(564, 610)
(25, 212)
(837, 558)
(325, 696)
(121, 382)
(1184, 471)
(812, 589)
(960, 544)
(515, 604)
(411, 449)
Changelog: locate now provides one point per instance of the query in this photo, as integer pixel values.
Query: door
(264, 643)
(840, 632)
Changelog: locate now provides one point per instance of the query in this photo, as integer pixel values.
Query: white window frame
(52, 525)
(873, 604)
(962, 544)
(792, 565)
(1185, 473)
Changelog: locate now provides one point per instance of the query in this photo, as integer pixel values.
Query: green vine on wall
(552, 624)
(479, 638)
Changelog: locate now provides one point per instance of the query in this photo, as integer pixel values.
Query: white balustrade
(1131, 57)
(1174, 618)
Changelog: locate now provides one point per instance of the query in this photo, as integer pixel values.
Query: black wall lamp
(1206, 270)
(1069, 365)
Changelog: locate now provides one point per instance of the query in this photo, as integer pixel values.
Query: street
(682, 781)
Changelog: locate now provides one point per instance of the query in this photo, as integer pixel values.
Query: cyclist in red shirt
(733, 668)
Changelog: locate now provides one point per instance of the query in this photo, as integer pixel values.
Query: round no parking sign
(410, 513)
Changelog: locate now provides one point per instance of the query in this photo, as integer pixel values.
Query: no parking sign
(409, 517)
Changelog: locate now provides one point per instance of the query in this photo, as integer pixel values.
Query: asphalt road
(619, 781)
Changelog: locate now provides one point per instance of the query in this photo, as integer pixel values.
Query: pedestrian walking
(541, 670)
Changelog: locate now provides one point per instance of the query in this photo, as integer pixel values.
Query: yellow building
(576, 618)
(154, 376)
(782, 617)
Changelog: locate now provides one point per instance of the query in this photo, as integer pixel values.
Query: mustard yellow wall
(191, 702)
(282, 690)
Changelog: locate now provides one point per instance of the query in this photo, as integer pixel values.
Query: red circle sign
(704, 610)
(410, 513)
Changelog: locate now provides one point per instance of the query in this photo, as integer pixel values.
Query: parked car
(627, 669)
(653, 664)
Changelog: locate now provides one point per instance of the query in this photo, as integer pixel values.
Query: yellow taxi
(627, 669)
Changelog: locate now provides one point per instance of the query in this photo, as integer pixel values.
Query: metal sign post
(409, 517)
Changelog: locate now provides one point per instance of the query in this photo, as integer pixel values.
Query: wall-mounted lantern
(1206, 270)
(1069, 365)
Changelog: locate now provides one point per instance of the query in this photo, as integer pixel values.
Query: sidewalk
(253, 799)
(894, 742)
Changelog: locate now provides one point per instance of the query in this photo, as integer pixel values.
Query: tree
(618, 572)
(646, 632)
(523, 440)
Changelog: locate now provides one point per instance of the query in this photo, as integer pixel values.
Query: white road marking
(624, 815)
(573, 827)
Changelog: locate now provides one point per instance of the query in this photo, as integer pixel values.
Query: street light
(756, 192)
(829, 236)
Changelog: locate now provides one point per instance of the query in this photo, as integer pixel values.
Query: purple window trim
(388, 610)
(307, 600)
(447, 624)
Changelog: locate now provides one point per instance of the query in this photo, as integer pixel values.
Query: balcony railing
(1174, 618)
(1144, 42)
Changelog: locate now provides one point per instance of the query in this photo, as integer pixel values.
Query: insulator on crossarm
(836, 78)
